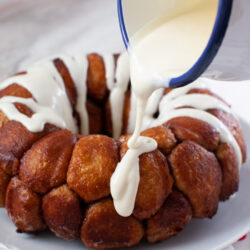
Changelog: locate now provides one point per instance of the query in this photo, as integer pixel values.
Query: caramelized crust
(96, 79)
(234, 126)
(3, 119)
(230, 170)
(23, 207)
(15, 90)
(93, 162)
(21, 108)
(4, 181)
(18, 91)
(95, 118)
(67, 79)
(71, 169)
(108, 119)
(104, 228)
(186, 128)
(174, 215)
(126, 112)
(164, 137)
(155, 182)
(62, 213)
(45, 165)
(197, 174)
(15, 140)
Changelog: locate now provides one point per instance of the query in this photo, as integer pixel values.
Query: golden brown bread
(126, 111)
(15, 141)
(93, 162)
(174, 215)
(15, 90)
(230, 171)
(18, 91)
(45, 165)
(95, 118)
(67, 79)
(96, 80)
(24, 207)
(197, 174)
(164, 137)
(104, 228)
(186, 128)
(62, 212)
(61, 172)
(234, 126)
(155, 182)
(4, 181)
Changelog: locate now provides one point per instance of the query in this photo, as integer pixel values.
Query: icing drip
(78, 68)
(132, 114)
(201, 102)
(123, 187)
(125, 180)
(117, 89)
(41, 78)
(225, 134)
(56, 109)
(109, 62)
(36, 123)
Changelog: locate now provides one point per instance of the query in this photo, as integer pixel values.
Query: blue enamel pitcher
(227, 54)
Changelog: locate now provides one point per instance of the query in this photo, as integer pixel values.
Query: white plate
(230, 223)
(93, 27)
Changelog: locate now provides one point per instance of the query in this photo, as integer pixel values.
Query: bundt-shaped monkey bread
(65, 123)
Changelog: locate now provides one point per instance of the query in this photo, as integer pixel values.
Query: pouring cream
(163, 49)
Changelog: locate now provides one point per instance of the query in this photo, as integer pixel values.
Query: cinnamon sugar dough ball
(198, 175)
(104, 228)
(93, 162)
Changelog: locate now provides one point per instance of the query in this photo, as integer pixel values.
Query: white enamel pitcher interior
(232, 58)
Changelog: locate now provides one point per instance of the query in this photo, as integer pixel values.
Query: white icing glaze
(118, 90)
(109, 62)
(43, 114)
(225, 134)
(55, 108)
(201, 102)
(40, 79)
(158, 52)
(132, 113)
(125, 181)
(78, 68)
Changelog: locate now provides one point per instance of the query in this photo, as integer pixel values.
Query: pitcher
(226, 52)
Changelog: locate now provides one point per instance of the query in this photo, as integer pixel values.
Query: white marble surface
(32, 29)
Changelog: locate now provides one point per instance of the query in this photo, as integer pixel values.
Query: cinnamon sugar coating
(4, 181)
(64, 179)
(96, 80)
(186, 128)
(67, 79)
(45, 165)
(164, 137)
(62, 212)
(198, 175)
(24, 207)
(174, 215)
(155, 182)
(230, 170)
(104, 228)
(15, 140)
(234, 126)
(95, 118)
(93, 162)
